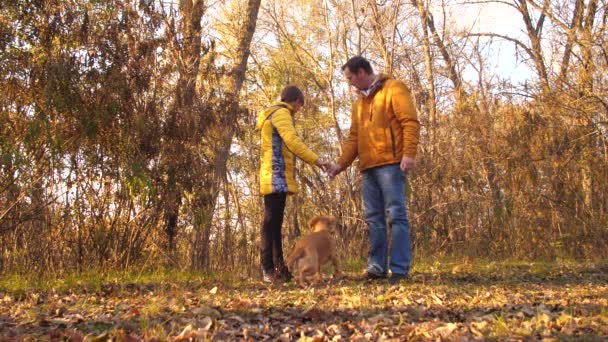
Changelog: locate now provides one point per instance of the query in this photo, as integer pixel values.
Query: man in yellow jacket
(384, 135)
(279, 145)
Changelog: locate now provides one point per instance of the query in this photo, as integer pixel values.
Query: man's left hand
(407, 163)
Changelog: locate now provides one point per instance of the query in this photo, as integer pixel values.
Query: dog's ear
(319, 219)
(313, 221)
(327, 220)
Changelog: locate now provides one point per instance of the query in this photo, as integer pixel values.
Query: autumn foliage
(127, 135)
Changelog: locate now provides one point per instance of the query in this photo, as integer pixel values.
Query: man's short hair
(292, 93)
(357, 63)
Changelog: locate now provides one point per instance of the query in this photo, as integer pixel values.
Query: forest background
(127, 128)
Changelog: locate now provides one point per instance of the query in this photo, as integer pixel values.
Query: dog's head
(320, 223)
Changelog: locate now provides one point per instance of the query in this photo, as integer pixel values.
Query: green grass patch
(18, 285)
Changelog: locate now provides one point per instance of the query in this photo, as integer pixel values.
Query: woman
(280, 144)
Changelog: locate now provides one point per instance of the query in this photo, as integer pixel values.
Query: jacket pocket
(379, 140)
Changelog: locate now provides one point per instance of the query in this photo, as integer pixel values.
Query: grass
(95, 281)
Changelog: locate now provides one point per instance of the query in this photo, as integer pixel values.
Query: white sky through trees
(491, 17)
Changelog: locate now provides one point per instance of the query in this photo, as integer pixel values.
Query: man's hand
(407, 163)
(333, 170)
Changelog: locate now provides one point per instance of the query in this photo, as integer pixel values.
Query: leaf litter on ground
(440, 302)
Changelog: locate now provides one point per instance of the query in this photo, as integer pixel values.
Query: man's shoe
(397, 278)
(373, 276)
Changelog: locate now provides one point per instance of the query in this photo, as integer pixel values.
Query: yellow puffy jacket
(279, 146)
(384, 127)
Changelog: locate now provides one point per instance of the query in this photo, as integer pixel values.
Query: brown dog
(313, 251)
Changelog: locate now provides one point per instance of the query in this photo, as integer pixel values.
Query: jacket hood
(265, 113)
(383, 77)
(374, 87)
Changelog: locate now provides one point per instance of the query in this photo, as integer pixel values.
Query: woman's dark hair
(292, 93)
(356, 63)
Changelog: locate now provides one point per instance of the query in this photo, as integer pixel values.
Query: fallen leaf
(103, 337)
(236, 318)
(313, 313)
(380, 318)
(206, 323)
(437, 300)
(185, 334)
(75, 336)
(207, 311)
(446, 330)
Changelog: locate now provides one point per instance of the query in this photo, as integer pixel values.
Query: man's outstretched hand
(333, 170)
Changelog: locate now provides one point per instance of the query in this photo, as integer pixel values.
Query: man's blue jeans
(384, 200)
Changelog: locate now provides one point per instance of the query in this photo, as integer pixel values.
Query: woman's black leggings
(272, 239)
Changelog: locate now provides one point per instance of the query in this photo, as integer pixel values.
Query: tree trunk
(227, 128)
(188, 62)
(534, 33)
(577, 19)
(428, 63)
(429, 22)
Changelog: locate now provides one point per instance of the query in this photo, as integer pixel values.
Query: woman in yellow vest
(279, 145)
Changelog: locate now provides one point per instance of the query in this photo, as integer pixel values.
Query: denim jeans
(384, 200)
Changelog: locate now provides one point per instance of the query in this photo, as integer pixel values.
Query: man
(384, 135)
(279, 146)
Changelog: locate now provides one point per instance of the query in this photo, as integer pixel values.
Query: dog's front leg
(317, 278)
(301, 277)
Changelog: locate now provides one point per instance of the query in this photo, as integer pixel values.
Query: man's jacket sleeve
(283, 122)
(350, 149)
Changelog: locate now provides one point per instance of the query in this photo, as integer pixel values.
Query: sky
(496, 18)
